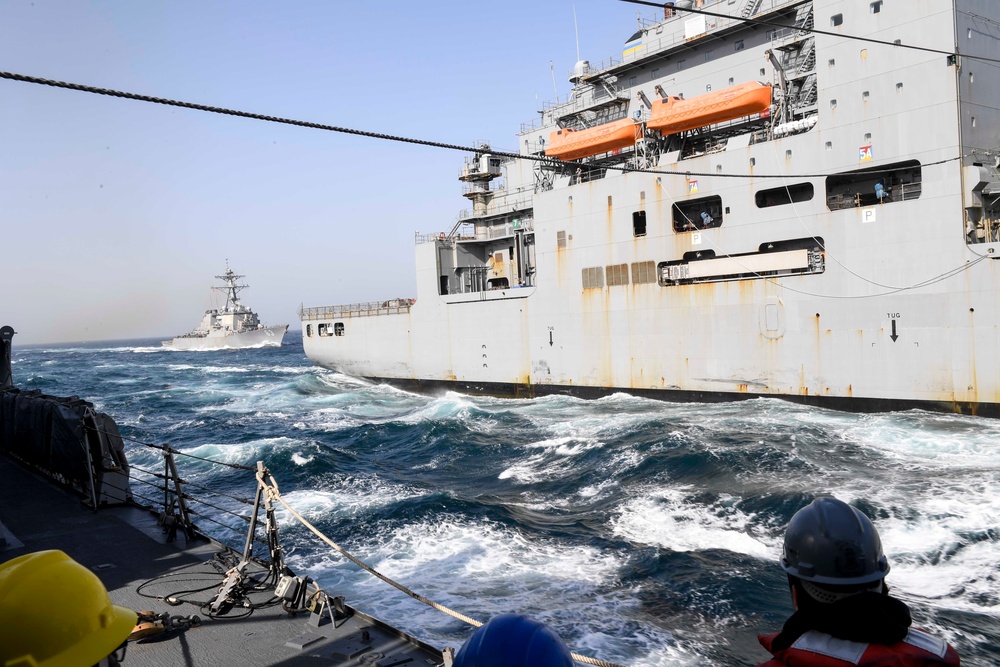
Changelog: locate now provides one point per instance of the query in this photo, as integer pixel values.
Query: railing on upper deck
(364, 309)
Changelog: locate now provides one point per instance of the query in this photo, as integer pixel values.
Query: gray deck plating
(125, 547)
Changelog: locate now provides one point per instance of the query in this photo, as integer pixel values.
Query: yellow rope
(275, 494)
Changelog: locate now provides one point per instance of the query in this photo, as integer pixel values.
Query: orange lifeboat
(673, 114)
(570, 144)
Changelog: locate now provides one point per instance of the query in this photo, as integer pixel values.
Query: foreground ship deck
(739, 210)
(127, 548)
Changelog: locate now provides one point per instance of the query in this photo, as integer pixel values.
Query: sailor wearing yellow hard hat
(54, 612)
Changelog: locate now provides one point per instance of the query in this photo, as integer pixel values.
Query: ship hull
(267, 337)
(845, 257)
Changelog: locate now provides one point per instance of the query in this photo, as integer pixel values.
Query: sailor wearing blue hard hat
(843, 612)
(512, 640)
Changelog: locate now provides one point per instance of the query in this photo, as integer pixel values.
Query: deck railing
(364, 309)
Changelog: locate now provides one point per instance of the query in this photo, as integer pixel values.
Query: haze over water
(645, 533)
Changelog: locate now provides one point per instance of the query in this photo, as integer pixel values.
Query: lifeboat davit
(673, 114)
(568, 144)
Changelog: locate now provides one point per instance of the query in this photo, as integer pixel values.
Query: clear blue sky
(115, 215)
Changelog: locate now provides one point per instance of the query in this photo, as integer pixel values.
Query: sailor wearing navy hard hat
(512, 640)
(844, 614)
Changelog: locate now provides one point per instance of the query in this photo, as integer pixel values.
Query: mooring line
(272, 490)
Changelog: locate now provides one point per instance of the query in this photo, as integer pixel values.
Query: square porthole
(708, 87)
(875, 7)
(753, 161)
(829, 145)
(868, 137)
(731, 81)
(788, 154)
(738, 45)
(831, 62)
(865, 95)
(833, 104)
(762, 72)
(899, 86)
(837, 19)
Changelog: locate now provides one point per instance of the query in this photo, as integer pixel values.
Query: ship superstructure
(233, 326)
(799, 206)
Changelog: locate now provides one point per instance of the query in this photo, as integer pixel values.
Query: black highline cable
(406, 140)
(775, 24)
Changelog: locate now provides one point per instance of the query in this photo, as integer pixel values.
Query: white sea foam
(667, 518)
(350, 497)
(300, 459)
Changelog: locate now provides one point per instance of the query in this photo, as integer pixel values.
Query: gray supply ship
(235, 326)
(767, 198)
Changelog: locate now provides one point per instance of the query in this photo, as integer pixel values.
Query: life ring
(441, 236)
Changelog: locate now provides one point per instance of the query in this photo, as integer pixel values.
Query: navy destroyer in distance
(726, 209)
(235, 326)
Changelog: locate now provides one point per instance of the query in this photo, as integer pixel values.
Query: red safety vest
(818, 649)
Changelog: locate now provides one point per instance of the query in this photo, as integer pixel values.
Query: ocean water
(645, 533)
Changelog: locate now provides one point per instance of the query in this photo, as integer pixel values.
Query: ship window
(868, 137)
(708, 87)
(338, 328)
(731, 81)
(617, 274)
(324, 329)
(885, 184)
(643, 272)
(762, 72)
(639, 223)
(738, 45)
(309, 330)
(560, 239)
(593, 277)
(680, 65)
(655, 73)
(631, 81)
(876, 6)
(829, 145)
(695, 214)
(899, 86)
(784, 195)
(709, 55)
(836, 19)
